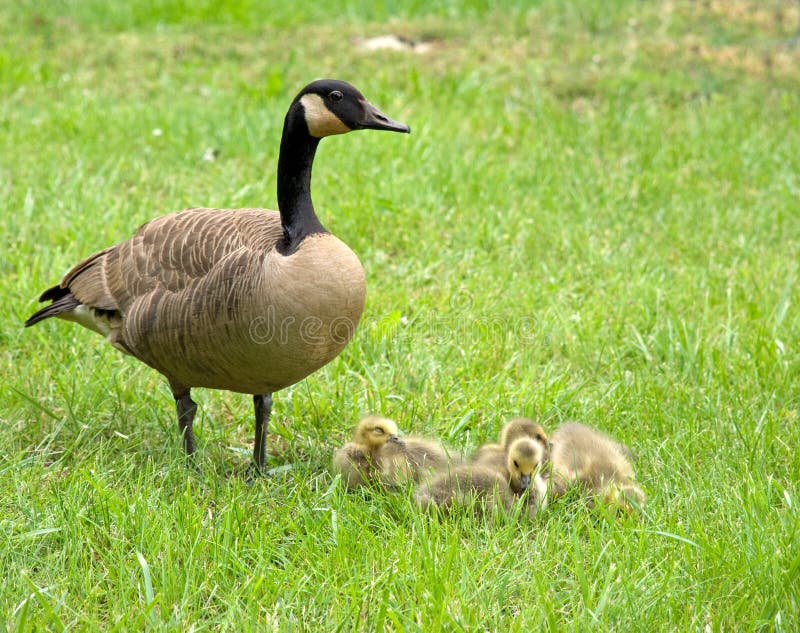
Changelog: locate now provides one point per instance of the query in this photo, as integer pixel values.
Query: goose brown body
(247, 300)
(204, 297)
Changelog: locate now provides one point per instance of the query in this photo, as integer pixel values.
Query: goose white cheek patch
(321, 121)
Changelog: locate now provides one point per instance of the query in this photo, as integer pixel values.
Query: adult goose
(247, 300)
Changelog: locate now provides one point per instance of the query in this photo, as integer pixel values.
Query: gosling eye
(516, 465)
(335, 96)
(378, 430)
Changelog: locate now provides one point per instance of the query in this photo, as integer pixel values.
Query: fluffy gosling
(524, 464)
(495, 452)
(415, 459)
(523, 427)
(584, 457)
(358, 461)
(463, 486)
(492, 487)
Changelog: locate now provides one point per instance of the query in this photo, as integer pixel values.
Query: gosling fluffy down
(464, 486)
(359, 461)
(524, 465)
(414, 459)
(523, 427)
(495, 454)
(584, 457)
(490, 487)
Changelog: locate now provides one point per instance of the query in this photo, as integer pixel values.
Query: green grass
(597, 216)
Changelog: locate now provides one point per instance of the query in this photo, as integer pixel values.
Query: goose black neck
(294, 181)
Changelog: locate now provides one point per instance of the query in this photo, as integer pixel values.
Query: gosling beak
(524, 481)
(374, 119)
(395, 439)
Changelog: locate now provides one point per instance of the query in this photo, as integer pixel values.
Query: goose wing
(170, 253)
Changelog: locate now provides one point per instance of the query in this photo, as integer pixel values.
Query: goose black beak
(374, 119)
(524, 481)
(395, 439)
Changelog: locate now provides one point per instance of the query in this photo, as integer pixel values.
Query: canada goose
(495, 453)
(464, 485)
(584, 457)
(413, 458)
(247, 300)
(358, 460)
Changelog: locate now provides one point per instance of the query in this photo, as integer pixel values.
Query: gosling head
(524, 460)
(524, 427)
(330, 106)
(374, 431)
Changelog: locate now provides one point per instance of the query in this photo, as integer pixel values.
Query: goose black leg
(186, 412)
(263, 406)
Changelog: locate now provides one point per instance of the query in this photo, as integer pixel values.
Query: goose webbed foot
(253, 474)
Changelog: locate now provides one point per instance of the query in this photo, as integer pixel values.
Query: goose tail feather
(63, 301)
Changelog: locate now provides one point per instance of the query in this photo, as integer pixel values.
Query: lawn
(596, 217)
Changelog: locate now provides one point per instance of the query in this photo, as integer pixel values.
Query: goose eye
(378, 430)
(336, 95)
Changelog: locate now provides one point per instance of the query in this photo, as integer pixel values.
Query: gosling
(591, 460)
(495, 453)
(523, 427)
(359, 461)
(493, 487)
(524, 465)
(415, 459)
(464, 486)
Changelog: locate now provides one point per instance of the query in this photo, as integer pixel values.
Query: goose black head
(335, 107)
